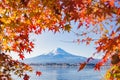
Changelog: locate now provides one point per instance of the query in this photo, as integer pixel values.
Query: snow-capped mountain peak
(58, 51)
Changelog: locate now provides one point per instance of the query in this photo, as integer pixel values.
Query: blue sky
(48, 41)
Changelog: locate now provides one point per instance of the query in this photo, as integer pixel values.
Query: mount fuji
(57, 55)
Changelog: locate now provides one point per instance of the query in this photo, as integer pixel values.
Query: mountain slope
(57, 55)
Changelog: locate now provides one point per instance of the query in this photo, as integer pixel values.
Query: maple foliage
(82, 66)
(8, 66)
(19, 18)
(26, 77)
(38, 73)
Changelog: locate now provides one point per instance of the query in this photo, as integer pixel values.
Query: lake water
(66, 73)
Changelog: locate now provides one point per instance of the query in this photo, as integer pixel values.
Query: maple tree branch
(106, 30)
(82, 34)
(75, 41)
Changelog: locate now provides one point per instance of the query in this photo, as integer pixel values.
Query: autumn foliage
(19, 18)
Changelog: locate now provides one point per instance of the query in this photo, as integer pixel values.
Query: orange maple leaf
(111, 3)
(82, 66)
(89, 1)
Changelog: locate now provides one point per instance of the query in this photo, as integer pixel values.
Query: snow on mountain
(58, 52)
(57, 55)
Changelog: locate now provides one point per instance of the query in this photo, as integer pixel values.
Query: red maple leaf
(38, 73)
(26, 77)
(21, 56)
(32, 44)
(98, 65)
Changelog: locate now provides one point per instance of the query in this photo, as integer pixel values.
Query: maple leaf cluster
(8, 66)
